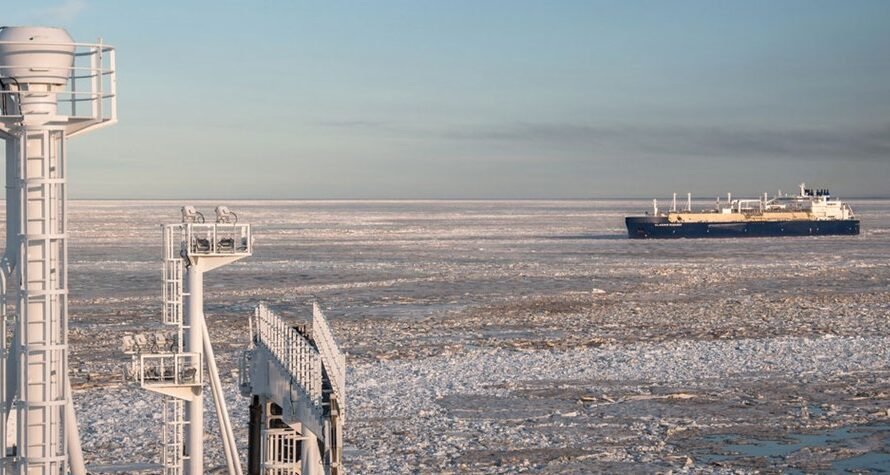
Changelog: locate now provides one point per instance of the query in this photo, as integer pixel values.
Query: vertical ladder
(174, 409)
(173, 287)
(173, 458)
(43, 304)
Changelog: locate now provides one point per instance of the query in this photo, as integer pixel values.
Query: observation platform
(216, 239)
(48, 79)
(173, 374)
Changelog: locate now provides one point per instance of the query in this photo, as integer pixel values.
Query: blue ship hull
(658, 227)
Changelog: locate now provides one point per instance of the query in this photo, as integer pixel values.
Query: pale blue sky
(484, 99)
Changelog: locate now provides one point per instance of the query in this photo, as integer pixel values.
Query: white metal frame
(217, 239)
(190, 250)
(281, 451)
(333, 359)
(170, 369)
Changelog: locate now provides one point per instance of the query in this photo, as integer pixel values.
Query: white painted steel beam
(225, 424)
(194, 344)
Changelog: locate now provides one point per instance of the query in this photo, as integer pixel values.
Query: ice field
(514, 336)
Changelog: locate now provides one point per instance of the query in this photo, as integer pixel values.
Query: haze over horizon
(495, 99)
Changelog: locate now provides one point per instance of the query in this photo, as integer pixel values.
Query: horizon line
(587, 198)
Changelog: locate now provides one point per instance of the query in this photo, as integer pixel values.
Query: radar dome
(36, 55)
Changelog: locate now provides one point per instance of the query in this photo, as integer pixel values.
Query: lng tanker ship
(810, 213)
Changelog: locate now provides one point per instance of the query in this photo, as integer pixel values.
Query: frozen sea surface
(510, 336)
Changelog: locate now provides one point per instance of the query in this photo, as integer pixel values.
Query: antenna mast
(191, 248)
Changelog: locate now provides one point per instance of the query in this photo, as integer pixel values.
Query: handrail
(333, 358)
(90, 78)
(281, 451)
(104, 47)
(294, 352)
(170, 369)
(208, 239)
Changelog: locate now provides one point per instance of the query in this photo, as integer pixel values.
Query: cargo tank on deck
(813, 212)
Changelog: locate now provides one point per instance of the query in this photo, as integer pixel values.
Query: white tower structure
(295, 375)
(51, 88)
(191, 248)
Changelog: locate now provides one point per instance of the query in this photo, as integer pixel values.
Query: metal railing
(293, 351)
(150, 342)
(281, 452)
(173, 369)
(217, 239)
(334, 360)
(89, 94)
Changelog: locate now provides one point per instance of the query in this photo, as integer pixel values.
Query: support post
(255, 433)
(195, 344)
(310, 456)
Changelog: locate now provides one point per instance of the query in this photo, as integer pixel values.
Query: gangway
(295, 377)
